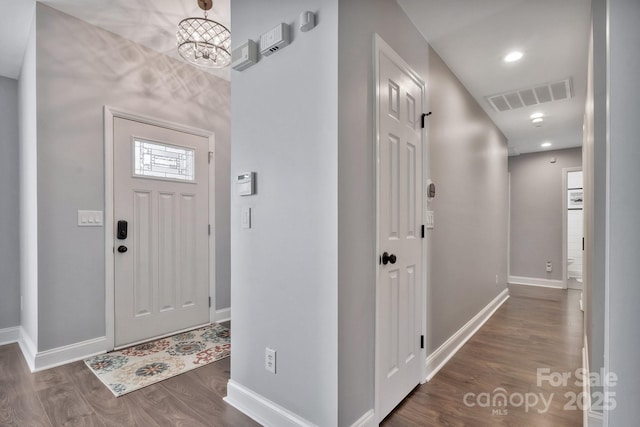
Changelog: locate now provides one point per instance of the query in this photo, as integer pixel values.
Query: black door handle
(386, 258)
(122, 249)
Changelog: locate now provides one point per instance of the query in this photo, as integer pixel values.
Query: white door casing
(161, 282)
(400, 284)
(570, 246)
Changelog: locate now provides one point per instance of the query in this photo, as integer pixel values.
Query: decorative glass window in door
(158, 160)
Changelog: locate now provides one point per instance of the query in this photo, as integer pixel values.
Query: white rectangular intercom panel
(245, 184)
(244, 56)
(274, 39)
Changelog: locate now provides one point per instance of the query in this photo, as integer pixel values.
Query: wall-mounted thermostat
(244, 56)
(246, 184)
(274, 39)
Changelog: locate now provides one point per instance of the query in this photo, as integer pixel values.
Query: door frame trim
(110, 113)
(565, 224)
(379, 46)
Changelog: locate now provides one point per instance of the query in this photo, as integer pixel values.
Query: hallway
(535, 328)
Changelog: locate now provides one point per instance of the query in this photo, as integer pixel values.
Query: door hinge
(421, 341)
(422, 232)
(209, 229)
(424, 115)
(210, 156)
(209, 302)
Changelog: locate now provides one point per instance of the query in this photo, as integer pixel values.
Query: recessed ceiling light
(545, 144)
(536, 115)
(538, 121)
(513, 56)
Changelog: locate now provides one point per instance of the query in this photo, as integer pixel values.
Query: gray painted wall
(622, 213)
(284, 270)
(9, 205)
(28, 120)
(359, 20)
(468, 158)
(335, 262)
(81, 68)
(536, 211)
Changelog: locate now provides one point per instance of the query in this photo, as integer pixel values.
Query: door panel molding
(109, 114)
(404, 156)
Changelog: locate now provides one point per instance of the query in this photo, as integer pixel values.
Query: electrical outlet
(270, 360)
(496, 279)
(549, 266)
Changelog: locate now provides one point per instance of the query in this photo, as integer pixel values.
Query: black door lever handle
(386, 258)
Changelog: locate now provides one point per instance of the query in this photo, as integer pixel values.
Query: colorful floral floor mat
(136, 367)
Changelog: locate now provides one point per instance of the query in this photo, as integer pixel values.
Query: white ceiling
(472, 36)
(15, 23)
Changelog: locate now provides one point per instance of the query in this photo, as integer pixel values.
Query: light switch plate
(89, 218)
(245, 218)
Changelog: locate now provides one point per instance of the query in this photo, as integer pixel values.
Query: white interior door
(399, 279)
(161, 272)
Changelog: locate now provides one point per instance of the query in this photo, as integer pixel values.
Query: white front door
(161, 231)
(399, 205)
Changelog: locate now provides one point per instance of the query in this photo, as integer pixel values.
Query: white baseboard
(367, 420)
(69, 353)
(9, 335)
(41, 360)
(262, 410)
(446, 351)
(533, 281)
(28, 348)
(222, 315)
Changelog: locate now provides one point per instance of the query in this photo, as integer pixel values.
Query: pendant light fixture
(204, 42)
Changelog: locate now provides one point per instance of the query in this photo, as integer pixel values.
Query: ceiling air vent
(528, 97)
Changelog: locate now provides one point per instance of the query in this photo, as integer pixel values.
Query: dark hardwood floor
(71, 395)
(535, 328)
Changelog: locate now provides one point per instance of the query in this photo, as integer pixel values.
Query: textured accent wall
(81, 68)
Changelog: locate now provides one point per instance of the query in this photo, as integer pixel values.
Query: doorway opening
(573, 227)
(158, 210)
